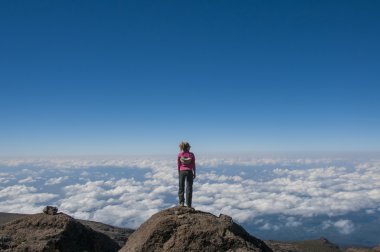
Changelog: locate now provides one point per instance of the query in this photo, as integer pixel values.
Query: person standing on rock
(186, 172)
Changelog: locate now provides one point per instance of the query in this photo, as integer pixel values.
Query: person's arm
(178, 162)
(194, 167)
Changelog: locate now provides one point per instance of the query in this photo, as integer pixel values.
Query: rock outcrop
(50, 210)
(321, 244)
(185, 229)
(59, 232)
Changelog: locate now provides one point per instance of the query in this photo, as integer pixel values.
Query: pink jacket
(186, 161)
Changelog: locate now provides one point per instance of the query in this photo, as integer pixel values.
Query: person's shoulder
(191, 153)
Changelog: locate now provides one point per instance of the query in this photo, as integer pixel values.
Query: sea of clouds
(287, 196)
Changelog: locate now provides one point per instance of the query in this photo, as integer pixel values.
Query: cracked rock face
(185, 229)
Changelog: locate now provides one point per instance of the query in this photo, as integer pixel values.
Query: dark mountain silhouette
(319, 245)
(185, 229)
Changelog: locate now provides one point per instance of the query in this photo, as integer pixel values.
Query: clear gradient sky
(136, 77)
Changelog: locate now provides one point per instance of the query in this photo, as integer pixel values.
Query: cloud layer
(246, 188)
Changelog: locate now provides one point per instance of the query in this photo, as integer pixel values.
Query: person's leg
(181, 187)
(189, 188)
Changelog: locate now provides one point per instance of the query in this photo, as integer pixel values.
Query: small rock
(50, 210)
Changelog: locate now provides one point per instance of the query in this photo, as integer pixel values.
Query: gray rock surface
(185, 229)
(60, 232)
(118, 234)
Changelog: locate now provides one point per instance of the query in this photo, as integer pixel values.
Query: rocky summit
(185, 229)
(55, 232)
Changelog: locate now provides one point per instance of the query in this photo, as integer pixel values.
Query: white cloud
(5, 178)
(119, 202)
(344, 226)
(326, 224)
(90, 162)
(56, 181)
(23, 199)
(120, 215)
(27, 180)
(85, 174)
(370, 211)
(268, 226)
(292, 222)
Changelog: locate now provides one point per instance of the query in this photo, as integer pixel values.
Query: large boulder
(185, 229)
(59, 232)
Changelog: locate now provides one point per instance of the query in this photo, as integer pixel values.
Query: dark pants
(188, 176)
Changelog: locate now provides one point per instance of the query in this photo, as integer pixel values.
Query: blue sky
(133, 77)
